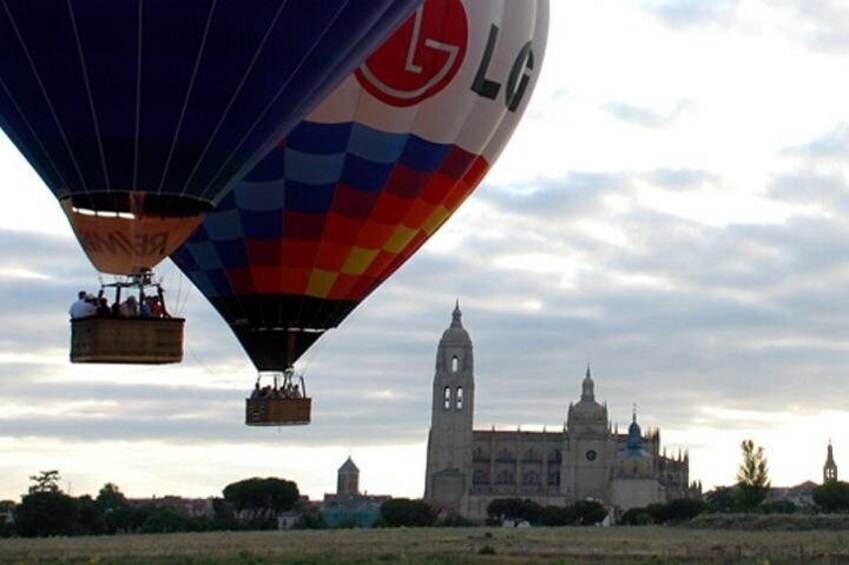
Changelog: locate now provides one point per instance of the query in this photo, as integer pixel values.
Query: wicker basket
(277, 411)
(127, 340)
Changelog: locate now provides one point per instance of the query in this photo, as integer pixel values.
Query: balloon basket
(127, 340)
(278, 411)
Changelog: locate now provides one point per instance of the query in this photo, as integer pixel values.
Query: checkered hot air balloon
(368, 176)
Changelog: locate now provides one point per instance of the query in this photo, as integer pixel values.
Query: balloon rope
(46, 96)
(274, 99)
(34, 134)
(138, 97)
(233, 98)
(91, 104)
(188, 96)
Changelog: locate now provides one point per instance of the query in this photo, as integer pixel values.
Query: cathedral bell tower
(829, 470)
(449, 445)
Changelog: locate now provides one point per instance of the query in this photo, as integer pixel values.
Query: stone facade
(348, 507)
(467, 468)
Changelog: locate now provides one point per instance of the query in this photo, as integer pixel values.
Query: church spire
(456, 315)
(588, 387)
(829, 470)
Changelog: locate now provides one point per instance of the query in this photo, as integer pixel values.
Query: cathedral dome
(588, 409)
(456, 334)
(634, 447)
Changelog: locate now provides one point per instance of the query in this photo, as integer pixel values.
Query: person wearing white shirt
(82, 308)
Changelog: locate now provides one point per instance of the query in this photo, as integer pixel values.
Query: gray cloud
(683, 14)
(819, 24)
(647, 117)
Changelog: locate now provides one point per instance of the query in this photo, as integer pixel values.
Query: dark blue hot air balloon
(140, 114)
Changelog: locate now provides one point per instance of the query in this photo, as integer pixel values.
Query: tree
(721, 499)
(585, 513)
(502, 509)
(679, 510)
(637, 517)
(832, 496)
(90, 520)
(553, 516)
(405, 512)
(45, 481)
(46, 510)
(165, 520)
(259, 501)
(752, 477)
(115, 510)
(42, 514)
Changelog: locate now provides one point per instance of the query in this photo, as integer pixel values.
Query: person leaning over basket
(82, 308)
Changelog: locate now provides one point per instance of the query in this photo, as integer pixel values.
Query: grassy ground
(435, 546)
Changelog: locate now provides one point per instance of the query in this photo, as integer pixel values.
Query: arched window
(505, 478)
(459, 398)
(455, 364)
(554, 478)
(505, 456)
(530, 478)
(531, 456)
(554, 456)
(446, 398)
(480, 478)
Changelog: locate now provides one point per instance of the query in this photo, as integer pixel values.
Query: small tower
(590, 453)
(449, 446)
(829, 470)
(348, 479)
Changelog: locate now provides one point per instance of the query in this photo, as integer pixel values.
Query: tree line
(256, 503)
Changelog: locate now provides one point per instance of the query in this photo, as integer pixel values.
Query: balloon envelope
(368, 176)
(139, 115)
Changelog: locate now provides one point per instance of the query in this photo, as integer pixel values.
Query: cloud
(820, 24)
(684, 14)
(647, 117)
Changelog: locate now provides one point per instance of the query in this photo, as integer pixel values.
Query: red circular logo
(421, 57)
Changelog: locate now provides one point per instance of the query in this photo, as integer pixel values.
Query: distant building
(195, 507)
(348, 507)
(829, 470)
(7, 511)
(467, 468)
(801, 495)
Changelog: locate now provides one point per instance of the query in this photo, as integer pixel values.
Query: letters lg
(517, 82)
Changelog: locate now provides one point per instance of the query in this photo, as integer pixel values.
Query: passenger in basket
(255, 392)
(129, 308)
(154, 306)
(296, 392)
(103, 309)
(144, 309)
(82, 308)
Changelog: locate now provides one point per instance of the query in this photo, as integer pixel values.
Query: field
(654, 544)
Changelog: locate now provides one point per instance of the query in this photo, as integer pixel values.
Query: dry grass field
(434, 546)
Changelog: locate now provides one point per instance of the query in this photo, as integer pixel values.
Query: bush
(637, 517)
(454, 521)
(585, 513)
(405, 512)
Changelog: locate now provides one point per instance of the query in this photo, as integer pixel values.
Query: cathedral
(588, 459)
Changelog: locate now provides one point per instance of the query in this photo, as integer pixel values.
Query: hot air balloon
(367, 177)
(140, 115)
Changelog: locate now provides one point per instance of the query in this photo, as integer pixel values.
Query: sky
(672, 210)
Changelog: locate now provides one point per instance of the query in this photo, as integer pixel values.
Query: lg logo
(424, 55)
(421, 58)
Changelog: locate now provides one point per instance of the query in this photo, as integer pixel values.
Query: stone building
(348, 506)
(587, 459)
